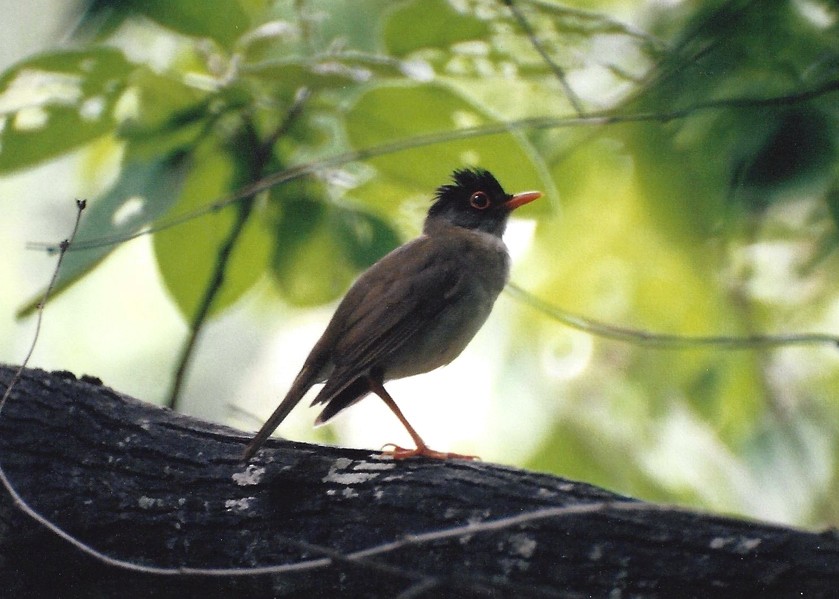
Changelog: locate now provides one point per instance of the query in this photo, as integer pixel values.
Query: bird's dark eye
(479, 200)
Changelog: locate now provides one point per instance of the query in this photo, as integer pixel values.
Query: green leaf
(307, 263)
(56, 102)
(323, 72)
(320, 247)
(169, 115)
(429, 24)
(580, 450)
(387, 114)
(293, 73)
(363, 237)
(799, 147)
(142, 193)
(832, 200)
(187, 254)
(95, 67)
(223, 20)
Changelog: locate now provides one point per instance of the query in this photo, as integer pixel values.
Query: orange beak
(520, 199)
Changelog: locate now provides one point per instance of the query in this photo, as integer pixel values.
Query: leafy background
(690, 179)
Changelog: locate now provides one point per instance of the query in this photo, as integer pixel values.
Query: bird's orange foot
(402, 453)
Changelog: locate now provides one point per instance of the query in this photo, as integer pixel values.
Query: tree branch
(262, 157)
(557, 70)
(158, 504)
(665, 340)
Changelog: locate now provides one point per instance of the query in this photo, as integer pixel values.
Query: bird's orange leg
(400, 453)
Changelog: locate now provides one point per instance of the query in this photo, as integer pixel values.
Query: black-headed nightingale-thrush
(415, 309)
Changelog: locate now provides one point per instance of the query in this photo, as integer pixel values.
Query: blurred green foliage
(706, 204)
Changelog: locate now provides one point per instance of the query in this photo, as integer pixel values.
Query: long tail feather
(301, 384)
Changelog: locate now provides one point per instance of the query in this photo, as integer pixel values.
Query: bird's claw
(402, 453)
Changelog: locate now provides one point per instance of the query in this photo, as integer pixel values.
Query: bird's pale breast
(481, 264)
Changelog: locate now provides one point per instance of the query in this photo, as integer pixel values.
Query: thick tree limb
(169, 494)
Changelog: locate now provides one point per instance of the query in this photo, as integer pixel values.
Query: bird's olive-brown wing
(396, 298)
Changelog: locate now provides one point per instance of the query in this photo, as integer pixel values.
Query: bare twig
(211, 291)
(225, 251)
(597, 22)
(62, 249)
(665, 341)
(557, 70)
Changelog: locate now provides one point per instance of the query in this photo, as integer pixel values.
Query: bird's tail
(301, 384)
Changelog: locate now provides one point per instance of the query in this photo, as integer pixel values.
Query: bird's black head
(476, 200)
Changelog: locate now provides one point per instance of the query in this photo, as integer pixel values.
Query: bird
(413, 310)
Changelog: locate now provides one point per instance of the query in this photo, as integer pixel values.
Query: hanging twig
(225, 251)
(62, 249)
(557, 70)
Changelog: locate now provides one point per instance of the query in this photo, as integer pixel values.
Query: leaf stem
(225, 251)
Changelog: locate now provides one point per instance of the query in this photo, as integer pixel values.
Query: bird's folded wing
(388, 305)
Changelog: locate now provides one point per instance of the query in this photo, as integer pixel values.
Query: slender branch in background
(225, 251)
(419, 589)
(557, 70)
(596, 22)
(211, 291)
(664, 341)
(4, 480)
(62, 249)
(603, 118)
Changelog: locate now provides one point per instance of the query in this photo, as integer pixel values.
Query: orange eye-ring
(479, 200)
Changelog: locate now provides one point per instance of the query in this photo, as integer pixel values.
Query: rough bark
(153, 488)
